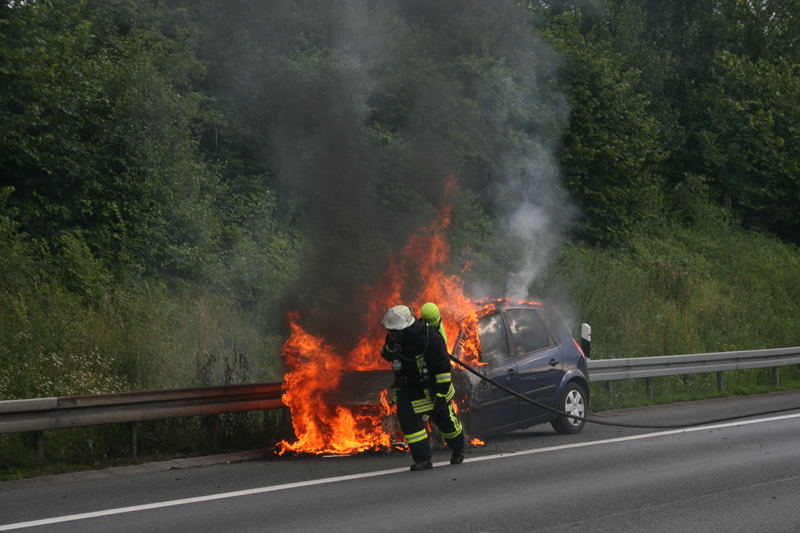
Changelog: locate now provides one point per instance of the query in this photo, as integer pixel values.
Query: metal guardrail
(41, 414)
(74, 411)
(610, 370)
(673, 365)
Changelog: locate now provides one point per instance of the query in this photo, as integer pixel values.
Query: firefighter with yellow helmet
(422, 376)
(430, 314)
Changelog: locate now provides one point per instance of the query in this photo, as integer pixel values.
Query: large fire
(314, 368)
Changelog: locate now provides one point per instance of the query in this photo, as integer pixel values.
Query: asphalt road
(732, 476)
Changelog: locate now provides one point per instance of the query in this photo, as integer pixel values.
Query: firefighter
(430, 314)
(422, 371)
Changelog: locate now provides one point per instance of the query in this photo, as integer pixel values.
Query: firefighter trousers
(415, 430)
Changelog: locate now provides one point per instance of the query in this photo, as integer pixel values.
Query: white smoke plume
(539, 216)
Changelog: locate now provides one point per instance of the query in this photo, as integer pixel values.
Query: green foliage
(755, 162)
(98, 132)
(612, 148)
(664, 93)
(115, 225)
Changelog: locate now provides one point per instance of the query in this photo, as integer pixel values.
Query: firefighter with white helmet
(422, 370)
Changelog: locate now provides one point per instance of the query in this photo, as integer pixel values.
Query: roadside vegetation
(175, 176)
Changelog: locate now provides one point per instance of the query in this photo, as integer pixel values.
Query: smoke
(366, 108)
(539, 215)
(526, 113)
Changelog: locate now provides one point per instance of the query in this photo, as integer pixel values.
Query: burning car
(527, 347)
(523, 345)
(339, 396)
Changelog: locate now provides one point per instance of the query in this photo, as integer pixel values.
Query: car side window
(527, 330)
(494, 343)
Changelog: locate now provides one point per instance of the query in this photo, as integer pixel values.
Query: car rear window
(494, 343)
(527, 330)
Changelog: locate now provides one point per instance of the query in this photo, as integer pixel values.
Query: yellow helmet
(430, 313)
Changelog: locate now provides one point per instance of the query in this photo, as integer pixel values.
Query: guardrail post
(776, 376)
(650, 391)
(720, 381)
(610, 387)
(212, 431)
(133, 432)
(38, 443)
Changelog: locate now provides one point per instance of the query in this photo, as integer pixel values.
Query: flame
(469, 344)
(313, 370)
(314, 367)
(477, 442)
(386, 408)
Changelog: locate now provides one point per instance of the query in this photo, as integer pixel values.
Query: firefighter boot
(457, 445)
(421, 453)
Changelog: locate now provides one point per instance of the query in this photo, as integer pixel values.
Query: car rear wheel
(573, 402)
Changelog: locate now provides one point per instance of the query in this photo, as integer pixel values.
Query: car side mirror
(586, 339)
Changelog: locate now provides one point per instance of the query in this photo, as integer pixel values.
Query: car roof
(549, 314)
(502, 304)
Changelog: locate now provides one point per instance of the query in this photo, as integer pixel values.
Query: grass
(681, 290)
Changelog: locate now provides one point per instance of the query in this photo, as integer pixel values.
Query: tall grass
(684, 291)
(678, 291)
(145, 337)
(67, 327)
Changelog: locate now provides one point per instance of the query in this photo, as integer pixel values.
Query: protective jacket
(424, 370)
(424, 386)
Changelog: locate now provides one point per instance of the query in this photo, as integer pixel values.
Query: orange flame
(314, 368)
(477, 442)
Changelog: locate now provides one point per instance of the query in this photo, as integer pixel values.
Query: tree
(611, 150)
(98, 137)
(747, 140)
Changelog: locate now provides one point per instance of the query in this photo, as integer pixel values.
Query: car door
(537, 363)
(491, 408)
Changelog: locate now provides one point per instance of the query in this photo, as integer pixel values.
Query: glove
(390, 351)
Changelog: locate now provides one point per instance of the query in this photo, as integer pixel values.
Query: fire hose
(509, 390)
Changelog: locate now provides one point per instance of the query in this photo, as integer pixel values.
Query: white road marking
(327, 480)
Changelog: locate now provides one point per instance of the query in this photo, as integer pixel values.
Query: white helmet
(398, 317)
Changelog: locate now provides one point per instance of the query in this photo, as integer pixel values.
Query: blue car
(527, 347)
